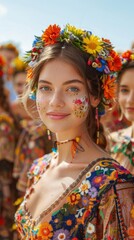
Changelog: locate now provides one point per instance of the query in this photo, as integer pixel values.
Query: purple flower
(93, 192)
(97, 181)
(62, 234)
(85, 201)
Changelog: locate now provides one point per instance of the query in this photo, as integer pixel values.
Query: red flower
(51, 34)
(109, 87)
(115, 63)
(2, 221)
(106, 40)
(127, 54)
(77, 101)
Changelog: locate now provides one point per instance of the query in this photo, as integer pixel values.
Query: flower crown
(2, 65)
(102, 57)
(11, 47)
(127, 56)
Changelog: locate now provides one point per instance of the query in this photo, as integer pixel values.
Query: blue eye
(124, 90)
(45, 88)
(73, 89)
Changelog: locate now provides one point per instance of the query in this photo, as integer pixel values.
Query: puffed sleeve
(114, 218)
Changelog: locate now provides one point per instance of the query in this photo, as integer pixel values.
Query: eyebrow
(65, 83)
(123, 85)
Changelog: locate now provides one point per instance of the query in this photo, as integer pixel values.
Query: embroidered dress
(7, 149)
(99, 204)
(122, 148)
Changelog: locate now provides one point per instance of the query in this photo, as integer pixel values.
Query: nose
(57, 100)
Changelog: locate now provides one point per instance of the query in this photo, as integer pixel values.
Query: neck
(71, 150)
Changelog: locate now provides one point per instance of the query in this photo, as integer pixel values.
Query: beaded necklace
(75, 148)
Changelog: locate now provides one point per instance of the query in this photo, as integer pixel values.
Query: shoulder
(39, 166)
(104, 174)
(121, 135)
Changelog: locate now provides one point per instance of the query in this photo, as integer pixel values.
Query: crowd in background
(23, 139)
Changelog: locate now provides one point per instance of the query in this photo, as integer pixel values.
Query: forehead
(128, 77)
(20, 77)
(59, 69)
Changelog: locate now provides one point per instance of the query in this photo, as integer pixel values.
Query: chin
(130, 118)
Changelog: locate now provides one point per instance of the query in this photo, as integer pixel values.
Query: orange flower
(73, 198)
(127, 54)
(106, 40)
(45, 231)
(114, 63)
(51, 34)
(29, 74)
(131, 231)
(2, 61)
(109, 87)
(132, 212)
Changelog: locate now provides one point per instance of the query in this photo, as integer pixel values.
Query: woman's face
(62, 97)
(19, 82)
(126, 94)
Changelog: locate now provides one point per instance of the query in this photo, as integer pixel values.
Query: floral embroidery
(45, 231)
(73, 198)
(61, 234)
(79, 208)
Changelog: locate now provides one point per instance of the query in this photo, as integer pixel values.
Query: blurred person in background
(9, 131)
(33, 141)
(122, 141)
(9, 51)
(19, 81)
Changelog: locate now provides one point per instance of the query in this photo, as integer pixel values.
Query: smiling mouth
(57, 116)
(130, 109)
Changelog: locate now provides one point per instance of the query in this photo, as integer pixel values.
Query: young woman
(122, 142)
(77, 191)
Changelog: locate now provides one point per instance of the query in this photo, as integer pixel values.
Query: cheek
(121, 100)
(40, 102)
(81, 107)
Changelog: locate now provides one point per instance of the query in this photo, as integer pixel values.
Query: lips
(57, 115)
(130, 108)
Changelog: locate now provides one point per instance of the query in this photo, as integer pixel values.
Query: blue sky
(21, 20)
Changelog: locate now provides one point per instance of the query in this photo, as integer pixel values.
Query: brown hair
(10, 47)
(126, 66)
(78, 59)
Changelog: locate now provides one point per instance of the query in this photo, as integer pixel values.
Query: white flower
(31, 144)
(97, 168)
(88, 174)
(90, 228)
(84, 188)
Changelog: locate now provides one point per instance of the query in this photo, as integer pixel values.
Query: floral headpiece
(127, 56)
(18, 65)
(11, 47)
(2, 65)
(102, 57)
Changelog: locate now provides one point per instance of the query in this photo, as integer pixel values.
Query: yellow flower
(132, 56)
(92, 44)
(19, 64)
(73, 198)
(132, 212)
(74, 30)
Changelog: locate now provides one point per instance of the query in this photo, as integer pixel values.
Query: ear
(94, 101)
